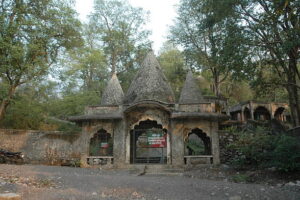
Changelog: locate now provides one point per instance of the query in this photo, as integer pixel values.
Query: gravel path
(35, 182)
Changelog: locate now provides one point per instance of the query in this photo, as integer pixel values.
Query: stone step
(10, 196)
(156, 169)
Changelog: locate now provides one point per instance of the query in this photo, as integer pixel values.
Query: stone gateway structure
(147, 125)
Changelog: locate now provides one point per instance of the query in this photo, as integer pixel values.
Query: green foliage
(84, 69)
(32, 33)
(172, 63)
(196, 147)
(286, 154)
(72, 104)
(24, 113)
(237, 91)
(240, 178)
(120, 31)
(210, 41)
(258, 148)
(273, 27)
(267, 86)
(54, 124)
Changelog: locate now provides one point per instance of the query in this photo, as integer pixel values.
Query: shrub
(259, 149)
(286, 154)
(240, 178)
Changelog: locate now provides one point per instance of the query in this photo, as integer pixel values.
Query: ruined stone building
(256, 110)
(147, 125)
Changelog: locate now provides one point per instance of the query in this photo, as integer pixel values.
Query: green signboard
(156, 139)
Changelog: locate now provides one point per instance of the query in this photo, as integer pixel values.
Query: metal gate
(148, 146)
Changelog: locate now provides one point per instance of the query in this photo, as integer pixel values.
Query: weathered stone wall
(225, 138)
(181, 128)
(203, 107)
(51, 147)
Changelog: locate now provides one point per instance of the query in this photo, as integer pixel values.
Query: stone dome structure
(150, 83)
(190, 92)
(113, 93)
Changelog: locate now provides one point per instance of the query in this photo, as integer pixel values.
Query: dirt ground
(36, 182)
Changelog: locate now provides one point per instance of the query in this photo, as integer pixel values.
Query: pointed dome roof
(113, 93)
(149, 83)
(190, 92)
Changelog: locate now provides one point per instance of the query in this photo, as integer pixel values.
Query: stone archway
(101, 144)
(279, 114)
(197, 143)
(148, 143)
(262, 113)
(247, 114)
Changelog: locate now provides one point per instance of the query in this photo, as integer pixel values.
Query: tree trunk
(4, 104)
(293, 92)
(294, 106)
(217, 86)
(113, 63)
(3, 107)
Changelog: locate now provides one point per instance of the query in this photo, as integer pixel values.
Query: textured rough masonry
(113, 93)
(190, 92)
(10, 196)
(150, 103)
(113, 132)
(150, 83)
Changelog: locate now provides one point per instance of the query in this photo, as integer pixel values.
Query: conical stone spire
(113, 93)
(190, 92)
(149, 83)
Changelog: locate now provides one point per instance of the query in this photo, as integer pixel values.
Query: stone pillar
(239, 116)
(84, 144)
(119, 143)
(169, 160)
(177, 144)
(251, 110)
(271, 110)
(242, 115)
(127, 147)
(215, 147)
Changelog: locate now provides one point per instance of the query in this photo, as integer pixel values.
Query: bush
(259, 149)
(286, 154)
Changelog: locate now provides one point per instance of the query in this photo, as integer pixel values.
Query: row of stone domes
(150, 83)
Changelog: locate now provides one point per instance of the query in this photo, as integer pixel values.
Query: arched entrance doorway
(101, 144)
(247, 114)
(279, 114)
(197, 143)
(148, 143)
(261, 113)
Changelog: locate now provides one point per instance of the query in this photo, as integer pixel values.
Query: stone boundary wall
(225, 138)
(44, 147)
(294, 131)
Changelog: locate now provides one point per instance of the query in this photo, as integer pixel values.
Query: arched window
(261, 113)
(247, 114)
(197, 143)
(148, 143)
(279, 114)
(101, 144)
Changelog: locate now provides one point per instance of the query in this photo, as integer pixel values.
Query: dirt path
(55, 183)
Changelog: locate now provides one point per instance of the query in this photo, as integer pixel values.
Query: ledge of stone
(10, 196)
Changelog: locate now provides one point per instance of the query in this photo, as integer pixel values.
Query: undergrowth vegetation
(258, 148)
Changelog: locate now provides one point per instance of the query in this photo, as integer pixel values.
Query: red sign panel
(156, 140)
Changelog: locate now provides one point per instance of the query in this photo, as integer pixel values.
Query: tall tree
(209, 40)
(84, 68)
(120, 30)
(32, 33)
(172, 63)
(274, 27)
